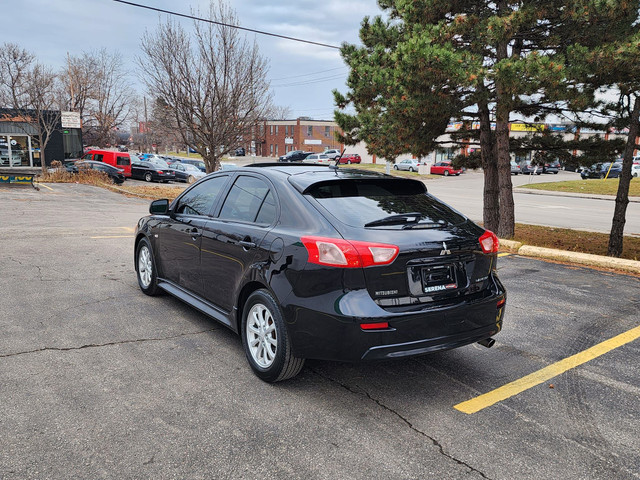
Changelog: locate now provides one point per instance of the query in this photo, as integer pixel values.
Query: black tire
(602, 176)
(395, 167)
(191, 179)
(148, 177)
(555, 173)
(283, 365)
(411, 169)
(349, 162)
(152, 287)
(446, 173)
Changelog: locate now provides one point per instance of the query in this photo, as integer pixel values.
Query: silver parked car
(332, 153)
(319, 158)
(409, 164)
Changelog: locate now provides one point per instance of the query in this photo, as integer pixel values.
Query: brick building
(273, 138)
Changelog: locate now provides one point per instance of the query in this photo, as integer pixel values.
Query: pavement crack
(108, 344)
(435, 442)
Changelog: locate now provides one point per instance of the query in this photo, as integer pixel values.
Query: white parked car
(332, 153)
(319, 158)
(635, 170)
(16, 159)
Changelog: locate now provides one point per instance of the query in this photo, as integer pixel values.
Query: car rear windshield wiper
(400, 219)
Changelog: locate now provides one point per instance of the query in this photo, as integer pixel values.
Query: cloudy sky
(302, 76)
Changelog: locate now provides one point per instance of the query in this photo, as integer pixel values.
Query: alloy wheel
(145, 266)
(262, 335)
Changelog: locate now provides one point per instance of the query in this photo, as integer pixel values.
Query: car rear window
(123, 161)
(360, 202)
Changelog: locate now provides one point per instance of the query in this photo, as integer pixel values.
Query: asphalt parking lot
(98, 380)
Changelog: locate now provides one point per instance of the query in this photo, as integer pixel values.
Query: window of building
(276, 129)
(286, 130)
(270, 129)
(326, 131)
(271, 149)
(309, 130)
(276, 149)
(444, 154)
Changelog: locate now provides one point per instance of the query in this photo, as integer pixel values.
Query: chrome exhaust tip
(487, 342)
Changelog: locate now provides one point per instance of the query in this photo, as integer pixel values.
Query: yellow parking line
(510, 389)
(114, 236)
(45, 186)
(128, 229)
(504, 254)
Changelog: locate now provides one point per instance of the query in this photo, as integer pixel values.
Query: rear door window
(122, 161)
(249, 200)
(98, 157)
(358, 203)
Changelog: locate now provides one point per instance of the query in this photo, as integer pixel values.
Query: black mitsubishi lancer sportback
(319, 262)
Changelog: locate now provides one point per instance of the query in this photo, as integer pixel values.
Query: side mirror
(159, 207)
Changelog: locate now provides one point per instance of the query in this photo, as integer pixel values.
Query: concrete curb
(629, 266)
(552, 193)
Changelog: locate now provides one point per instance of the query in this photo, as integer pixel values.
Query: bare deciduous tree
(15, 63)
(80, 79)
(279, 113)
(43, 102)
(213, 81)
(98, 87)
(31, 90)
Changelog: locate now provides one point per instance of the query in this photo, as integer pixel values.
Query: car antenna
(335, 166)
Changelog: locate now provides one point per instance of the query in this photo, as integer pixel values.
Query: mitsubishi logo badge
(445, 251)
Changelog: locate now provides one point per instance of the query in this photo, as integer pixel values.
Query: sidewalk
(531, 191)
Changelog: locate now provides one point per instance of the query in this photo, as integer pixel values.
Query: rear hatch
(440, 260)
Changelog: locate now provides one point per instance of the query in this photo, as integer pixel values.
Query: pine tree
(432, 61)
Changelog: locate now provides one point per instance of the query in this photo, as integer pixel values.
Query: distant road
(465, 194)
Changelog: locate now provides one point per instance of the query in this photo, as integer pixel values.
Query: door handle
(247, 245)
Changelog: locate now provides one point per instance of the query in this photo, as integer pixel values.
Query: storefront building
(20, 143)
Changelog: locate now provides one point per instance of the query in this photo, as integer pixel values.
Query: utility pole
(73, 100)
(146, 126)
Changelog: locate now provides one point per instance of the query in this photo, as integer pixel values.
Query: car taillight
(337, 252)
(159, 171)
(489, 242)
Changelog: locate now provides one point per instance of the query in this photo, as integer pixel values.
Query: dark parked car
(194, 161)
(186, 172)
(527, 167)
(308, 261)
(240, 152)
(157, 171)
(599, 170)
(552, 167)
(115, 174)
(294, 156)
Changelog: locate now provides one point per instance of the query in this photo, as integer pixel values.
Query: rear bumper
(334, 336)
